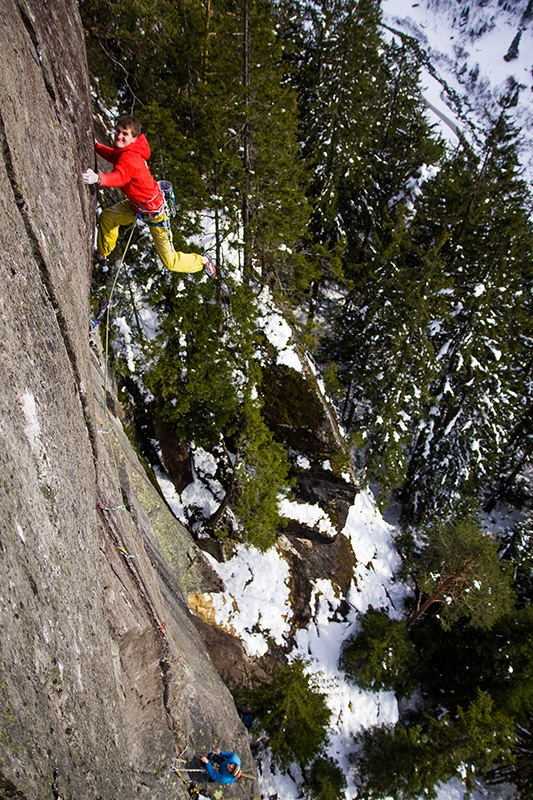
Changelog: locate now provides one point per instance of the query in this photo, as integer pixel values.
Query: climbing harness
(146, 210)
(167, 209)
(164, 223)
(192, 788)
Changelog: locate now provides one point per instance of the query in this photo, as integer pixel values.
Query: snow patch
(256, 601)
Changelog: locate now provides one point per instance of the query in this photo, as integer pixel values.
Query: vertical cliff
(103, 676)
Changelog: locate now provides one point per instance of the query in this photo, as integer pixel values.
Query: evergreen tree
(434, 342)
(520, 771)
(293, 712)
(517, 549)
(405, 762)
(261, 474)
(222, 123)
(459, 571)
(366, 135)
(380, 335)
(386, 363)
(337, 95)
(251, 138)
(326, 780)
(194, 375)
(474, 221)
(379, 190)
(455, 664)
(380, 655)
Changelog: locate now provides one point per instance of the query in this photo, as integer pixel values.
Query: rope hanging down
(108, 306)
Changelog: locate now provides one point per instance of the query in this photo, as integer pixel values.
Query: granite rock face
(104, 677)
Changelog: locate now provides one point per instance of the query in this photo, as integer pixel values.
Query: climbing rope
(107, 318)
(106, 311)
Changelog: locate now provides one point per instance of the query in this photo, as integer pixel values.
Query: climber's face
(123, 137)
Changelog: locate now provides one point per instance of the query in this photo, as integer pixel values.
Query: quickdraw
(95, 321)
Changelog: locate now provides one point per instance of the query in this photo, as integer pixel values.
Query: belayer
(145, 199)
(228, 766)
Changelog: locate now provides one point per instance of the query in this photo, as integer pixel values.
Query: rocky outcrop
(104, 678)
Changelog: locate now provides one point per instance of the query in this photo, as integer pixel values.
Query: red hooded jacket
(132, 175)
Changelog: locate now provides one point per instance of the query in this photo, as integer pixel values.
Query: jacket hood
(140, 145)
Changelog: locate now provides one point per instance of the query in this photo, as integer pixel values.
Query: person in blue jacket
(228, 766)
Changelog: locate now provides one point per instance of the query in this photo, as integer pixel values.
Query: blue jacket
(222, 775)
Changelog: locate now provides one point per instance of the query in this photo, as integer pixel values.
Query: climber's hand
(90, 176)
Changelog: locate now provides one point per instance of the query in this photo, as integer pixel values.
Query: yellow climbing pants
(122, 213)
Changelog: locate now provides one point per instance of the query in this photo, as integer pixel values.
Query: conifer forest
(299, 131)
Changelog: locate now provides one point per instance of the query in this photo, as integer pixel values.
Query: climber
(228, 766)
(145, 200)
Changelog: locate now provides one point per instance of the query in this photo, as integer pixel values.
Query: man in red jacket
(145, 199)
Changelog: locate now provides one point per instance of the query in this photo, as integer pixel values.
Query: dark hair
(131, 123)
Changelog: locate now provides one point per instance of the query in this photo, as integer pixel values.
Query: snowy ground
(468, 52)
